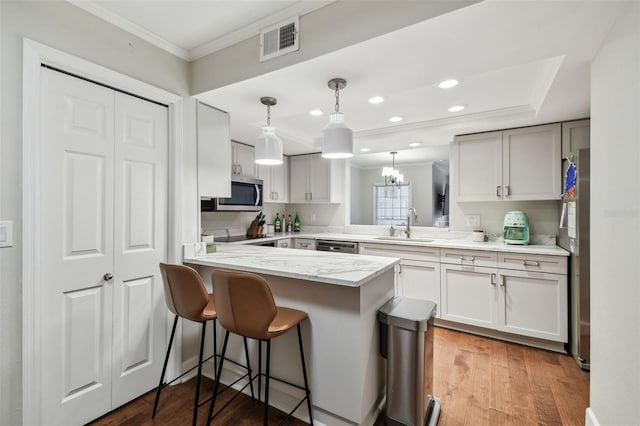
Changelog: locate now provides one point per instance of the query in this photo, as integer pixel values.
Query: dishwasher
(337, 246)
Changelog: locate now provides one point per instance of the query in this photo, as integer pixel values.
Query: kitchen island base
(346, 372)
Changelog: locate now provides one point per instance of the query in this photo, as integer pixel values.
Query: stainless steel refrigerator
(574, 237)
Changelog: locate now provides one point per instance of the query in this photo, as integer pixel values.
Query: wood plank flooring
(480, 382)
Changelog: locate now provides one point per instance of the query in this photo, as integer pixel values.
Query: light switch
(6, 233)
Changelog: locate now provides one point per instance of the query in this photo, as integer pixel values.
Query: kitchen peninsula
(341, 294)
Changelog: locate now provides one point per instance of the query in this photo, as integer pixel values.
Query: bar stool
(187, 297)
(246, 307)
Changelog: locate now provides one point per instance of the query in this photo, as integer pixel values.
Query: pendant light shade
(268, 145)
(337, 138)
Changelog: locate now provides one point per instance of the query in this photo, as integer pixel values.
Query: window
(391, 203)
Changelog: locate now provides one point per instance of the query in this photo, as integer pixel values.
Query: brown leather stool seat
(187, 297)
(245, 307)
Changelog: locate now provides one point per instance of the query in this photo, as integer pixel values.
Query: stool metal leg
(246, 354)
(164, 366)
(259, 368)
(266, 385)
(195, 404)
(215, 348)
(215, 389)
(304, 373)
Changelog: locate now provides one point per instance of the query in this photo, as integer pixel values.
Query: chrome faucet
(415, 220)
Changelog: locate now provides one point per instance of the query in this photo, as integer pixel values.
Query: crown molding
(244, 33)
(300, 8)
(130, 27)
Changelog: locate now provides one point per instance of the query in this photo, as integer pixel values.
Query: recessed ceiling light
(376, 100)
(448, 84)
(395, 119)
(414, 144)
(456, 108)
(316, 112)
(365, 149)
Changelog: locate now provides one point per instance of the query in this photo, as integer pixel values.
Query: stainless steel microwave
(246, 196)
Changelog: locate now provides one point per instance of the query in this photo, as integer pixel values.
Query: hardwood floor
(480, 381)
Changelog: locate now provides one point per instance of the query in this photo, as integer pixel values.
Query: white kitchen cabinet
(304, 243)
(214, 152)
(533, 295)
(469, 295)
(243, 160)
(516, 164)
(314, 179)
(418, 272)
(522, 294)
(275, 182)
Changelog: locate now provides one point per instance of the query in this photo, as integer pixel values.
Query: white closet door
(76, 225)
(104, 182)
(139, 321)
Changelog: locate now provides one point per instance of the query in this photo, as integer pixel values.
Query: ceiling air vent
(279, 39)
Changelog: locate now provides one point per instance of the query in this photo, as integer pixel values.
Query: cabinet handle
(311, 196)
(285, 245)
(240, 167)
(276, 196)
(108, 276)
(530, 263)
(493, 278)
(305, 245)
(499, 191)
(508, 188)
(399, 268)
(467, 258)
(502, 280)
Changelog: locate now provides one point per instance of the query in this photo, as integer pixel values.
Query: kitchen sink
(417, 240)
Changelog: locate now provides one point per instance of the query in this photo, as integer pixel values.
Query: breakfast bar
(341, 294)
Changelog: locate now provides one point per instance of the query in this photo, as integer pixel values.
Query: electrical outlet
(472, 219)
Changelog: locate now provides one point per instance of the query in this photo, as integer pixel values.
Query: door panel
(83, 350)
(139, 311)
(468, 295)
(76, 180)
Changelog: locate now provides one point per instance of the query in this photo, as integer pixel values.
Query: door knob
(108, 276)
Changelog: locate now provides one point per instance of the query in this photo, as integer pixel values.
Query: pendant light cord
(269, 115)
(337, 99)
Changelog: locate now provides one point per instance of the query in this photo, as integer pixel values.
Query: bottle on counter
(277, 224)
(289, 224)
(296, 223)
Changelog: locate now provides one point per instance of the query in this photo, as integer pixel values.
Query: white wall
(615, 225)
(64, 27)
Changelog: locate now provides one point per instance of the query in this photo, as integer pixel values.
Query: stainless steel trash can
(406, 340)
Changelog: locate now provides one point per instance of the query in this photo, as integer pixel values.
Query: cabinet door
(264, 172)
(319, 179)
(533, 304)
(279, 182)
(469, 295)
(531, 163)
(420, 280)
(299, 172)
(244, 160)
(214, 152)
(477, 166)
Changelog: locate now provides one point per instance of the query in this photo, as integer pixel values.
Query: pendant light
(268, 145)
(390, 174)
(337, 138)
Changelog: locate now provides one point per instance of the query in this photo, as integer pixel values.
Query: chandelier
(268, 145)
(391, 175)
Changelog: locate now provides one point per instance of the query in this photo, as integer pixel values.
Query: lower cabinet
(304, 243)
(284, 243)
(469, 295)
(418, 272)
(528, 299)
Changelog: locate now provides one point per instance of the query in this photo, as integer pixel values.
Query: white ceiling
(519, 62)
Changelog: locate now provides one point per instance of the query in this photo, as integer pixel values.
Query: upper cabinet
(276, 182)
(243, 160)
(214, 152)
(315, 179)
(516, 164)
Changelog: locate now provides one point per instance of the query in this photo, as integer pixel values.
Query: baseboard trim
(590, 418)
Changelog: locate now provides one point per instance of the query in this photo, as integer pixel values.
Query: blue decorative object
(570, 181)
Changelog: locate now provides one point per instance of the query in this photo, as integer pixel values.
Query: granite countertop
(495, 246)
(352, 270)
